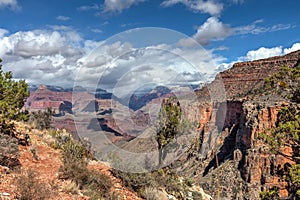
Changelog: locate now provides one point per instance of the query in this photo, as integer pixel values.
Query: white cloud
(209, 6)
(11, 4)
(211, 30)
(89, 45)
(123, 68)
(118, 6)
(63, 18)
(224, 66)
(96, 30)
(260, 53)
(130, 24)
(255, 29)
(42, 56)
(37, 43)
(89, 7)
(56, 55)
(3, 32)
(238, 1)
(295, 47)
(263, 52)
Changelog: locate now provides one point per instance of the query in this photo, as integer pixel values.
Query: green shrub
(74, 162)
(285, 82)
(30, 188)
(9, 151)
(151, 193)
(134, 181)
(41, 119)
(189, 182)
(271, 194)
(75, 159)
(70, 187)
(12, 96)
(294, 179)
(97, 185)
(161, 178)
(169, 126)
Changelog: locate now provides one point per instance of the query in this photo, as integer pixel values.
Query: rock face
(228, 132)
(43, 98)
(65, 122)
(66, 103)
(246, 166)
(244, 77)
(258, 166)
(136, 102)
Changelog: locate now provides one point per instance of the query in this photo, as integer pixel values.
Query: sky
(123, 44)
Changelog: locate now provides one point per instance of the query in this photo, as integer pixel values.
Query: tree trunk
(160, 158)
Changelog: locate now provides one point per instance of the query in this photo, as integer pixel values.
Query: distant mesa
(33, 88)
(139, 100)
(54, 97)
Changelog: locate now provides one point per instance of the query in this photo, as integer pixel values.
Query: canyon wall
(245, 77)
(230, 155)
(229, 133)
(43, 98)
(245, 165)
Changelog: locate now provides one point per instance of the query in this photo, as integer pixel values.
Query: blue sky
(47, 41)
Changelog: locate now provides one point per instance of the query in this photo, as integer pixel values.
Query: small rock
(5, 196)
(171, 197)
(4, 170)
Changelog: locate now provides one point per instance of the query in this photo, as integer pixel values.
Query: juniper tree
(13, 94)
(169, 121)
(12, 98)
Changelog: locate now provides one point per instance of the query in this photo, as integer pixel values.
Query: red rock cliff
(233, 131)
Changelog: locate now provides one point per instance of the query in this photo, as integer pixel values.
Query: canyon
(230, 162)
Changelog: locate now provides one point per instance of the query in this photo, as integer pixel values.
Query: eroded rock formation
(43, 98)
(235, 149)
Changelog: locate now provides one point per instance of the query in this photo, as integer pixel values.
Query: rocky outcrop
(246, 166)
(228, 134)
(66, 122)
(43, 98)
(259, 166)
(5, 196)
(244, 77)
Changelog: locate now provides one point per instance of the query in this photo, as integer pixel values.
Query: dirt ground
(46, 167)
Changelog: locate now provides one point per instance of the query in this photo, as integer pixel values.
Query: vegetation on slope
(286, 82)
(12, 98)
(164, 181)
(287, 134)
(169, 121)
(75, 155)
(146, 184)
(41, 119)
